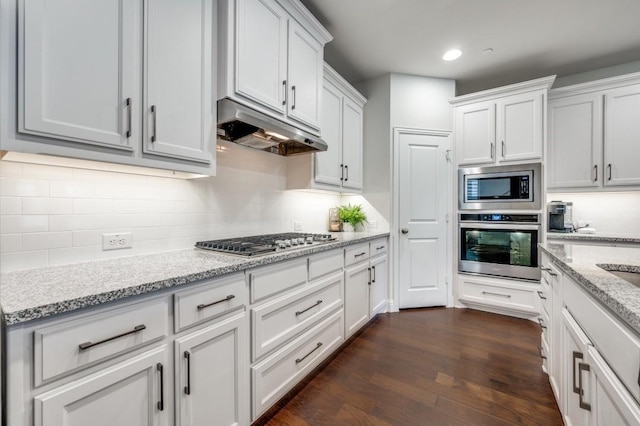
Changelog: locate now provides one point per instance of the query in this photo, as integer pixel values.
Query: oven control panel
(499, 217)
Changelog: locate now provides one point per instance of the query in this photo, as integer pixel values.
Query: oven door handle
(503, 226)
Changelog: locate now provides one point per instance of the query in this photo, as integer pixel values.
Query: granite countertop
(605, 238)
(580, 262)
(38, 293)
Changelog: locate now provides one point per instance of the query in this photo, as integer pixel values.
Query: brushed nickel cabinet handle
(369, 276)
(492, 150)
(129, 105)
(541, 353)
(160, 369)
(293, 91)
(541, 322)
(298, 313)
(595, 173)
(360, 254)
(380, 248)
(374, 273)
(87, 345)
(582, 367)
(284, 88)
(346, 168)
(299, 360)
(503, 148)
(202, 306)
(508, 296)
(609, 167)
(154, 112)
(540, 294)
(576, 355)
(341, 172)
(187, 388)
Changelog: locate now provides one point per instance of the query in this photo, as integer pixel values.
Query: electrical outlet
(117, 241)
(297, 226)
(372, 224)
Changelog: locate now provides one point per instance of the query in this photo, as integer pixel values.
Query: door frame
(395, 214)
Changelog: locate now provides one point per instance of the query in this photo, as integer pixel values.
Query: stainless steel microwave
(500, 187)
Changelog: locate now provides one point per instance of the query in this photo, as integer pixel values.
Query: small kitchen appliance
(265, 244)
(559, 216)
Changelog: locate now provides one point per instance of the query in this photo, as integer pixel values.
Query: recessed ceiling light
(452, 55)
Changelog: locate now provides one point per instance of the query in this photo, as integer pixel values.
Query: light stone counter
(581, 262)
(38, 293)
(597, 238)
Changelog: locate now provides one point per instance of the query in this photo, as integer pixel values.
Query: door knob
(404, 230)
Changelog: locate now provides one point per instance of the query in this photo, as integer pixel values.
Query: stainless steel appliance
(500, 187)
(246, 126)
(504, 245)
(265, 244)
(559, 216)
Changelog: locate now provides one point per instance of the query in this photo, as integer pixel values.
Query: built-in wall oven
(499, 244)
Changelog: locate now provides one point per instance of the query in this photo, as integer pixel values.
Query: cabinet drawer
(325, 263)
(276, 322)
(273, 377)
(377, 247)
(615, 342)
(208, 300)
(510, 298)
(271, 280)
(69, 346)
(356, 254)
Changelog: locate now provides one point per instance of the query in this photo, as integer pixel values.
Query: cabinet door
(80, 76)
(328, 164)
(134, 392)
(356, 298)
(575, 141)
(261, 55)
(622, 136)
(613, 405)
(180, 99)
(212, 367)
(305, 76)
(378, 286)
(577, 381)
(476, 133)
(352, 144)
(520, 127)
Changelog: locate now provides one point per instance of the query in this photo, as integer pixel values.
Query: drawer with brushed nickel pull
(356, 254)
(208, 300)
(490, 292)
(377, 247)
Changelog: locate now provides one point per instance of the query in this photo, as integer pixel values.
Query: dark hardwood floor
(433, 366)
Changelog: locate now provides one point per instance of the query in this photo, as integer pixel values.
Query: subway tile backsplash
(53, 215)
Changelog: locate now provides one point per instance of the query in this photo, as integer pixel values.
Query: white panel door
(352, 144)
(574, 156)
(476, 133)
(261, 73)
(520, 127)
(81, 78)
(424, 186)
(328, 164)
(356, 298)
(622, 136)
(305, 73)
(212, 376)
(180, 100)
(134, 393)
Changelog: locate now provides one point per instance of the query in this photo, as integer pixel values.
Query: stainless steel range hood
(245, 126)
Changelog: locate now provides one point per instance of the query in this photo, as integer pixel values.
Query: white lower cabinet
(133, 392)
(576, 378)
(212, 382)
(378, 285)
(356, 296)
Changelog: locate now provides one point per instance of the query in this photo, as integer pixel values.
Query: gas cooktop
(265, 244)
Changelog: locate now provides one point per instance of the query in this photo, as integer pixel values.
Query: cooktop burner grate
(264, 244)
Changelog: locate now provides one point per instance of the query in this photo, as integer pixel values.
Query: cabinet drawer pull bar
(360, 254)
(87, 345)
(541, 323)
(369, 276)
(160, 369)
(298, 313)
(202, 305)
(503, 147)
(492, 150)
(541, 354)
(129, 106)
(154, 111)
(541, 296)
(299, 360)
(595, 172)
(341, 172)
(380, 248)
(582, 367)
(284, 88)
(347, 170)
(187, 388)
(293, 91)
(508, 296)
(374, 274)
(576, 355)
(609, 167)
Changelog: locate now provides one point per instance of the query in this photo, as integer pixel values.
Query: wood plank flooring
(433, 366)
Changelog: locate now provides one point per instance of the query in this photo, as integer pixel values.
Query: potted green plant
(352, 217)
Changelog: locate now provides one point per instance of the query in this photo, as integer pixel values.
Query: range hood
(245, 126)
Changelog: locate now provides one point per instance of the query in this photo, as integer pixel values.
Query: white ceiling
(530, 38)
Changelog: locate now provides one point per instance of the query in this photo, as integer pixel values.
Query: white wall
(56, 215)
(421, 102)
(612, 213)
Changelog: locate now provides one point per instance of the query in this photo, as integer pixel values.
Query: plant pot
(347, 227)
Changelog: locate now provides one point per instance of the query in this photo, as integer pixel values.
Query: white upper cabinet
(115, 81)
(503, 125)
(594, 134)
(328, 164)
(81, 77)
(352, 149)
(180, 105)
(271, 55)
